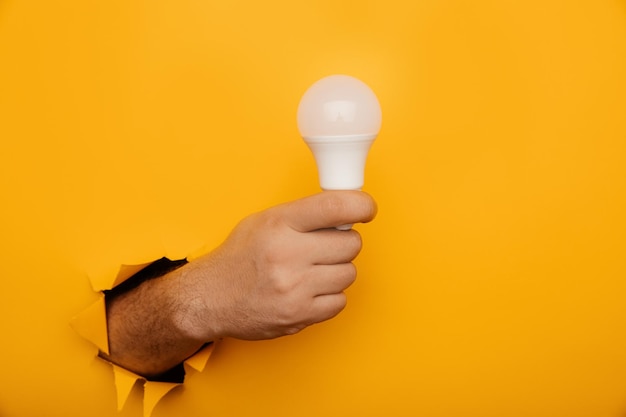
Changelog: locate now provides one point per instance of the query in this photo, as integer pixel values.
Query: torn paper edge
(91, 325)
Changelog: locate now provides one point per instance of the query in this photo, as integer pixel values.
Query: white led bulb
(339, 117)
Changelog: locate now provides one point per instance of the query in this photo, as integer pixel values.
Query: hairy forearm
(145, 332)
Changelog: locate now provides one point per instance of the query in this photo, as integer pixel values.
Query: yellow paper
(124, 383)
(199, 361)
(491, 282)
(91, 324)
(127, 271)
(153, 392)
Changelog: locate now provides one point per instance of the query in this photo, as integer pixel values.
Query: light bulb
(339, 117)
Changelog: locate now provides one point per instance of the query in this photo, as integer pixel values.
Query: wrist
(192, 314)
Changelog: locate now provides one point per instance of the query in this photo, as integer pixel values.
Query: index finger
(329, 209)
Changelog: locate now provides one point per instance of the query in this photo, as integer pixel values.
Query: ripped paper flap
(198, 361)
(91, 324)
(152, 394)
(125, 380)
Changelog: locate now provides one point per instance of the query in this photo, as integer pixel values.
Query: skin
(279, 271)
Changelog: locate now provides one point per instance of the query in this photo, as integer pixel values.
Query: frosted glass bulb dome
(339, 117)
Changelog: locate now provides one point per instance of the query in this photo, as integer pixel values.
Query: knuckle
(351, 273)
(269, 220)
(356, 240)
(353, 243)
(272, 260)
(337, 305)
(341, 303)
(289, 313)
(282, 285)
(290, 331)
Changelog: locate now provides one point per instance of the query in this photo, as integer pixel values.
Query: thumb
(329, 209)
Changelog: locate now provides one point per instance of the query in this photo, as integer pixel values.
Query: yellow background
(493, 282)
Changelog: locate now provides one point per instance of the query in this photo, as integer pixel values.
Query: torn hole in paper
(91, 325)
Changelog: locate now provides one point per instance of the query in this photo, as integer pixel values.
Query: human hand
(278, 272)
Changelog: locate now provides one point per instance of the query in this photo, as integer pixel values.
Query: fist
(279, 271)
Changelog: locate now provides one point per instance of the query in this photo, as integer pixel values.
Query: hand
(278, 272)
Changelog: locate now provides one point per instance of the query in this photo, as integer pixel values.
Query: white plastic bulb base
(340, 160)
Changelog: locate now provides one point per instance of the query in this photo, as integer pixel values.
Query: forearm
(145, 331)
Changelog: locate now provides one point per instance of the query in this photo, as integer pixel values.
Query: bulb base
(340, 160)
